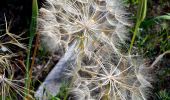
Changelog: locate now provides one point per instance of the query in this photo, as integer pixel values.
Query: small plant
(163, 95)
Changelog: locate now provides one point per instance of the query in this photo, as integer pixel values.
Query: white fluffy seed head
(83, 21)
(97, 27)
(112, 77)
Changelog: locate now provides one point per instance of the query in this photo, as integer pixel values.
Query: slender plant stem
(32, 34)
(141, 13)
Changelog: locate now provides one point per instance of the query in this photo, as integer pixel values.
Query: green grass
(152, 38)
(153, 43)
(141, 13)
(33, 27)
(163, 95)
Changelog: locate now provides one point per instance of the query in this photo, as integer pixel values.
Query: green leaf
(165, 17)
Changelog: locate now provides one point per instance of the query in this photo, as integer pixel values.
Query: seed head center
(88, 24)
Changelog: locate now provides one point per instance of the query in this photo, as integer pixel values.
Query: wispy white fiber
(98, 27)
(86, 21)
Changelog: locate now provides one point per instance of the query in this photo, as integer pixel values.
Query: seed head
(87, 22)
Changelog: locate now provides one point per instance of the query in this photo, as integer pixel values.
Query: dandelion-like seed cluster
(98, 27)
(87, 22)
(109, 76)
(10, 86)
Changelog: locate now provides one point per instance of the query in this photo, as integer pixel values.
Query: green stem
(141, 14)
(32, 30)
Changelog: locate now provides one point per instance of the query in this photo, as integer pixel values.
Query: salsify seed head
(97, 27)
(114, 78)
(83, 21)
